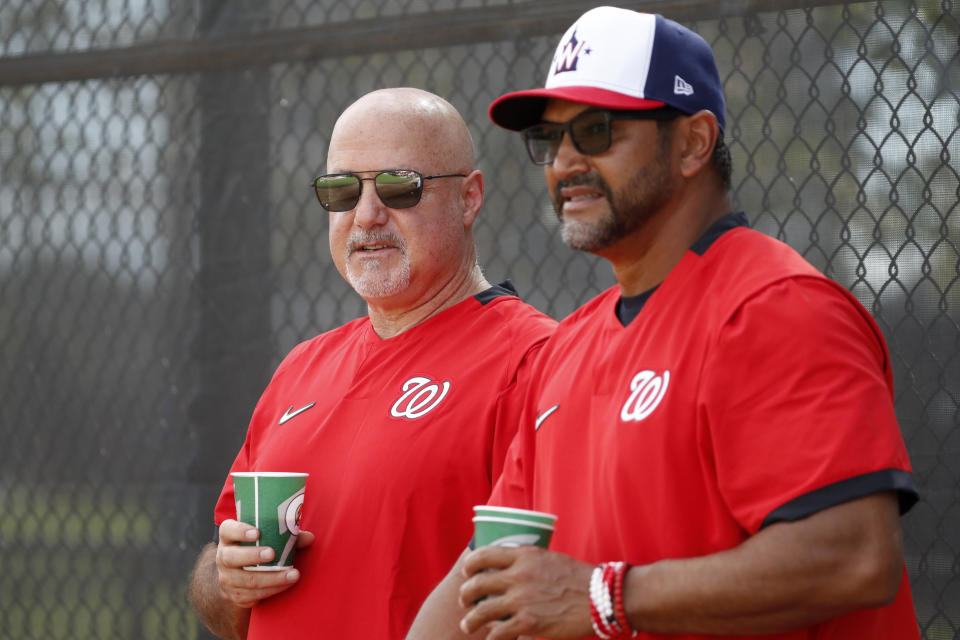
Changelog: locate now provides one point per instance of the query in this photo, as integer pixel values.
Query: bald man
(401, 418)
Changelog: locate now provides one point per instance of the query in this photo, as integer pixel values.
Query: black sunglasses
(397, 188)
(589, 131)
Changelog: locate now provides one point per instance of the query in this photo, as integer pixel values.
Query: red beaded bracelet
(618, 609)
(609, 577)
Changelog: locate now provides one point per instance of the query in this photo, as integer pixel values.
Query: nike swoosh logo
(543, 416)
(290, 413)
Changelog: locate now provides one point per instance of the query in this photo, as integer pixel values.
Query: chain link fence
(160, 249)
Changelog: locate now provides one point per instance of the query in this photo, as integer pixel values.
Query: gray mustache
(358, 240)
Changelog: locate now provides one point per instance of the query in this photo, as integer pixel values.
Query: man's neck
(643, 260)
(389, 321)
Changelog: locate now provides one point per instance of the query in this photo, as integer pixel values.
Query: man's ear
(472, 194)
(699, 132)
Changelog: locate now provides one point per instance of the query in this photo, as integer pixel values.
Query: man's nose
(370, 211)
(568, 160)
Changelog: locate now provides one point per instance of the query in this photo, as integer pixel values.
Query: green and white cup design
(509, 527)
(272, 502)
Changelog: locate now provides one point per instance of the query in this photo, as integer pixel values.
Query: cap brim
(520, 109)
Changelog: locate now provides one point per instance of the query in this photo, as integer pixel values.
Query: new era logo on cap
(621, 59)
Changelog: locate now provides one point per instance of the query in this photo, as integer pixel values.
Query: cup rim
(511, 510)
(268, 474)
(526, 523)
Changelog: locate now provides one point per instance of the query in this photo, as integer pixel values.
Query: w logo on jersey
(420, 396)
(646, 391)
(568, 55)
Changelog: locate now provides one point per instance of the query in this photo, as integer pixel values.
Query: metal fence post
(232, 343)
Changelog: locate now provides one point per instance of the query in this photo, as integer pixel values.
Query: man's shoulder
(500, 330)
(326, 342)
(749, 267)
(505, 329)
(739, 265)
(353, 329)
(514, 311)
(501, 309)
(587, 312)
(753, 255)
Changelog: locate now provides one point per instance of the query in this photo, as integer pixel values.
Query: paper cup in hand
(272, 502)
(509, 527)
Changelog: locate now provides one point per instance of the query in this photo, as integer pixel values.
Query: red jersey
(748, 390)
(401, 437)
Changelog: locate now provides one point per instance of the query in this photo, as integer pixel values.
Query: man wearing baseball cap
(716, 433)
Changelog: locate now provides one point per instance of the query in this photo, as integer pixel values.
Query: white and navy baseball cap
(620, 59)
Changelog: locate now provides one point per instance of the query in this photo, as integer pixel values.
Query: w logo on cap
(568, 55)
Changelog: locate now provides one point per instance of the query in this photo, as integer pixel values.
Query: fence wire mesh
(160, 250)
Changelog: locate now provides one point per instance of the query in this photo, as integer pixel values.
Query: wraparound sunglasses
(396, 188)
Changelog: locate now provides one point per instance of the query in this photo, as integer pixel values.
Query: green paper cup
(272, 502)
(508, 527)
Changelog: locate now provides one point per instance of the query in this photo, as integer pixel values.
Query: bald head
(401, 128)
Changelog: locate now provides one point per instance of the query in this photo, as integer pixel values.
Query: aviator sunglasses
(396, 188)
(589, 132)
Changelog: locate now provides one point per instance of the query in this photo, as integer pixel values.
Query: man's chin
(373, 287)
(584, 237)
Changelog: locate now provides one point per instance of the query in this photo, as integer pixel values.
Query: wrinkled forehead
(364, 154)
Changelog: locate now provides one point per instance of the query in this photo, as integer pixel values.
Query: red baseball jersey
(749, 389)
(401, 437)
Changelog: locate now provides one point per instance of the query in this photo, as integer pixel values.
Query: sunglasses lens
(399, 189)
(591, 132)
(543, 141)
(338, 192)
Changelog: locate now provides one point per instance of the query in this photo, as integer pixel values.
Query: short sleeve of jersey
(510, 489)
(513, 487)
(797, 396)
(509, 412)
